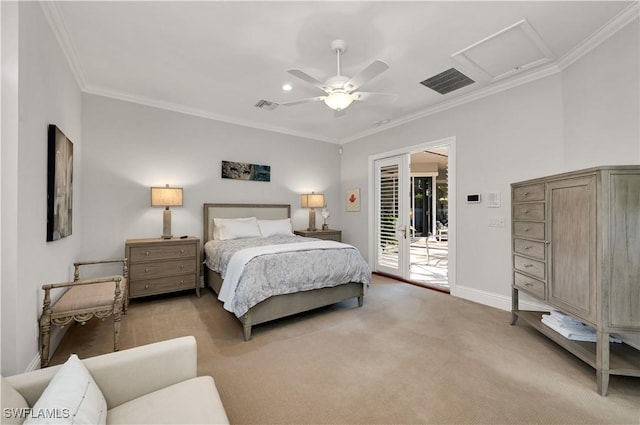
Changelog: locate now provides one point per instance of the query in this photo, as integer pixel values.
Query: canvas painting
(59, 185)
(244, 171)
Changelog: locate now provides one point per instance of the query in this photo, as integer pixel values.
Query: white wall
(601, 94)
(128, 148)
(567, 121)
(48, 94)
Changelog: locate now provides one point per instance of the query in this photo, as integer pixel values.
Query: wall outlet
(497, 222)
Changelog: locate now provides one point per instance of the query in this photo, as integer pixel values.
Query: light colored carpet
(410, 355)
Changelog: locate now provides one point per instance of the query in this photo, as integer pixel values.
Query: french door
(393, 225)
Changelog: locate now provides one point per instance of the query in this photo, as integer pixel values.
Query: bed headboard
(261, 211)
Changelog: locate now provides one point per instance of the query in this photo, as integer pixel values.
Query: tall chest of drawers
(159, 266)
(576, 247)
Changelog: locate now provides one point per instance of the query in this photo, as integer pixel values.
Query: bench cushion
(89, 296)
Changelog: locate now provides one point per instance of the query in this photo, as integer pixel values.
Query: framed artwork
(59, 185)
(244, 171)
(353, 199)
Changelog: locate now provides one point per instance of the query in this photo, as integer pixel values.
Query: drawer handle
(527, 229)
(146, 270)
(146, 286)
(525, 211)
(146, 253)
(526, 266)
(528, 284)
(528, 247)
(526, 194)
(181, 266)
(182, 251)
(181, 282)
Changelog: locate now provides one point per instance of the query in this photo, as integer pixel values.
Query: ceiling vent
(265, 104)
(447, 81)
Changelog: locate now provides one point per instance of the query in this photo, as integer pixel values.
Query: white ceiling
(218, 58)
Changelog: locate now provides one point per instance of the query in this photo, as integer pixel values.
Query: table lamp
(166, 197)
(312, 200)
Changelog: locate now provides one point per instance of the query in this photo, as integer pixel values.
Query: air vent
(265, 104)
(447, 81)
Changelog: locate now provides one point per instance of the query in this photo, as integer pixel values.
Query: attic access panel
(512, 50)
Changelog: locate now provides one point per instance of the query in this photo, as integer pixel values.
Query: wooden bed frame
(277, 306)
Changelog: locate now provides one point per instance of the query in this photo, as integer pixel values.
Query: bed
(277, 305)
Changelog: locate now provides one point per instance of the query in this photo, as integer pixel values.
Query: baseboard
(57, 333)
(492, 299)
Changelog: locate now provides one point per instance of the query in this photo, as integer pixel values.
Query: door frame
(453, 211)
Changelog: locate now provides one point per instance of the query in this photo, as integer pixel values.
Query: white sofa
(150, 384)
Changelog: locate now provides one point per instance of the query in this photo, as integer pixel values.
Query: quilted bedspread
(284, 272)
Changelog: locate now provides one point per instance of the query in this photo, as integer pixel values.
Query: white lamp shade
(312, 200)
(338, 100)
(166, 196)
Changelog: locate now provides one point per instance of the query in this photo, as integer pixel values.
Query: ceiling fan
(341, 90)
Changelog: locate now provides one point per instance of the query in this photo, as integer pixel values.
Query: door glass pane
(388, 217)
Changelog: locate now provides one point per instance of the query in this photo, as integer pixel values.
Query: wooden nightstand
(159, 266)
(333, 235)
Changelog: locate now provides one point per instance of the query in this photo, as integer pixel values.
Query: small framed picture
(353, 199)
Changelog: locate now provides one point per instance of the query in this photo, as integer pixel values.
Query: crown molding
(182, 109)
(56, 23)
(618, 22)
(461, 100)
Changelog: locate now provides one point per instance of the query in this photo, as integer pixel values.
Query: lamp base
(166, 224)
(312, 220)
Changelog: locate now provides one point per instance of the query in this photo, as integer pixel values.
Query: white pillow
(236, 228)
(72, 397)
(275, 227)
(218, 222)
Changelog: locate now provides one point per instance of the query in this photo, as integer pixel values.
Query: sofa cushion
(14, 406)
(195, 401)
(72, 396)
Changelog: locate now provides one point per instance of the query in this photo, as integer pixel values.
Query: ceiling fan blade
(308, 78)
(298, 102)
(376, 68)
(385, 97)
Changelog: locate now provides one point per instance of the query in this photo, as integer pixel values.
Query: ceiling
(217, 59)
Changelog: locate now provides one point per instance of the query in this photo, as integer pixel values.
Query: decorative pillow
(72, 397)
(236, 228)
(275, 227)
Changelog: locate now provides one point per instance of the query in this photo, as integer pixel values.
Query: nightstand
(333, 235)
(160, 266)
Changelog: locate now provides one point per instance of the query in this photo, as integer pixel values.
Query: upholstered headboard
(260, 211)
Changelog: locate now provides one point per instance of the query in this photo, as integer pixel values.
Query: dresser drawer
(527, 229)
(533, 211)
(533, 286)
(161, 251)
(533, 192)
(162, 285)
(532, 267)
(163, 268)
(530, 248)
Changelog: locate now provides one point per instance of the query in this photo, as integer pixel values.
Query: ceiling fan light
(338, 100)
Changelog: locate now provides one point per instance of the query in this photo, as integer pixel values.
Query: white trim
(169, 106)
(451, 143)
(56, 23)
(498, 301)
(621, 20)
